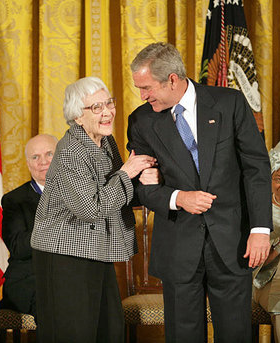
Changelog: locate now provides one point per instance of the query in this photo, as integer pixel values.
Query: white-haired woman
(84, 223)
(266, 283)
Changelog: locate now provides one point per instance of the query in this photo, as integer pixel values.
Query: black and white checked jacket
(84, 210)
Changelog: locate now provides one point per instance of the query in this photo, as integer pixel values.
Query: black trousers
(230, 301)
(19, 295)
(78, 300)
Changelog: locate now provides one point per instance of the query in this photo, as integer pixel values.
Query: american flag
(4, 254)
(228, 59)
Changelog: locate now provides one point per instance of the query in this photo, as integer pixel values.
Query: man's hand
(150, 176)
(195, 202)
(258, 248)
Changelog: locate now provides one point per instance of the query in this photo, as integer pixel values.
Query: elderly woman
(84, 223)
(266, 283)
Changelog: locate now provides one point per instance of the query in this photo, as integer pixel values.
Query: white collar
(188, 100)
(40, 186)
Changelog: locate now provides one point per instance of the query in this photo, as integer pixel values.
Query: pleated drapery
(47, 44)
(59, 59)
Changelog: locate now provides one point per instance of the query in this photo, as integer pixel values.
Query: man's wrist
(264, 230)
(173, 201)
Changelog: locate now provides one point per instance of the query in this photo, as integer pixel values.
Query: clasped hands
(143, 164)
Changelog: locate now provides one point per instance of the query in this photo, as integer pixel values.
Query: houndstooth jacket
(84, 210)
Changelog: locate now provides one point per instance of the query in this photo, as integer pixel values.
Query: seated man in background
(19, 207)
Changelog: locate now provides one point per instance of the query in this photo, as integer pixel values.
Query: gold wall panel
(200, 22)
(15, 89)
(181, 37)
(98, 41)
(143, 22)
(59, 49)
(44, 45)
(263, 54)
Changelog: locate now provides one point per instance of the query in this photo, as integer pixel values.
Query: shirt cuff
(265, 230)
(172, 202)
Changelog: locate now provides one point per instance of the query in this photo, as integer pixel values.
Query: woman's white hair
(75, 95)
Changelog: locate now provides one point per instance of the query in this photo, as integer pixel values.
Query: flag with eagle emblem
(227, 59)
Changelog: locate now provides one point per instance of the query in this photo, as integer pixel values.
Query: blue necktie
(36, 188)
(186, 133)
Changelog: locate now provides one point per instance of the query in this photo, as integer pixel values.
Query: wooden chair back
(138, 279)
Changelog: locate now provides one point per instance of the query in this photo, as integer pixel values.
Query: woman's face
(276, 183)
(97, 125)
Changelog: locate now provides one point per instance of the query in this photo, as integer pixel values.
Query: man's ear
(173, 79)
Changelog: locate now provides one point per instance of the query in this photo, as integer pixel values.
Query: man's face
(158, 94)
(40, 151)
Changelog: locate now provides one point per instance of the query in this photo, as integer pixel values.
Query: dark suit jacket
(234, 165)
(19, 207)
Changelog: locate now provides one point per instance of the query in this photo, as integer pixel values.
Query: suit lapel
(208, 121)
(33, 196)
(166, 130)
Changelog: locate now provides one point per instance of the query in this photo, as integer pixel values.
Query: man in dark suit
(213, 208)
(19, 207)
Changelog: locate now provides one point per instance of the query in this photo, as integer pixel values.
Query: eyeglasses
(98, 107)
(276, 179)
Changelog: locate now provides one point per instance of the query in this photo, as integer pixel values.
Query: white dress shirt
(40, 186)
(188, 101)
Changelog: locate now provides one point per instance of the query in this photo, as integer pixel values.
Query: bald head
(39, 152)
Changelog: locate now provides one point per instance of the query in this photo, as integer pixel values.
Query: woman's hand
(150, 176)
(136, 163)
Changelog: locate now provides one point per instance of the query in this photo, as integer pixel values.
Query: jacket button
(92, 227)
(202, 227)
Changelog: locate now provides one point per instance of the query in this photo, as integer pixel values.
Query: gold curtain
(143, 22)
(260, 26)
(47, 44)
(59, 60)
(98, 41)
(40, 55)
(15, 88)
(263, 52)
